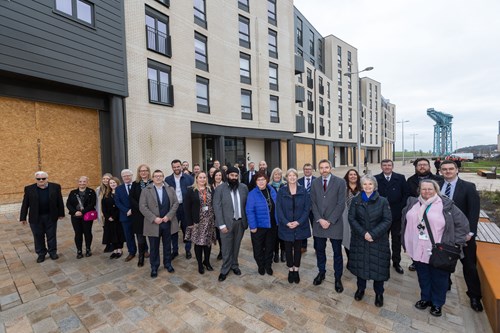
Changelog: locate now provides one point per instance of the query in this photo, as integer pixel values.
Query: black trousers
(45, 228)
(263, 241)
(293, 253)
(469, 263)
(154, 247)
(82, 228)
(395, 232)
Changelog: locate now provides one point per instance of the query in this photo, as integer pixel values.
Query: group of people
(282, 211)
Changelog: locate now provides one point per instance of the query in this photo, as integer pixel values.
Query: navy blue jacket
(186, 181)
(293, 208)
(122, 201)
(257, 211)
(396, 191)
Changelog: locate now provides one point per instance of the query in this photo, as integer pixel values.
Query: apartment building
(371, 119)
(210, 80)
(388, 129)
(63, 78)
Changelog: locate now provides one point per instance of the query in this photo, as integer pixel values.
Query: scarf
(424, 204)
(366, 198)
(276, 185)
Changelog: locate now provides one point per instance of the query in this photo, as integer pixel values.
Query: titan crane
(442, 132)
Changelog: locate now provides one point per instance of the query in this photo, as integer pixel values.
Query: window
(157, 30)
(348, 56)
(320, 54)
(339, 95)
(245, 76)
(329, 109)
(200, 13)
(349, 98)
(311, 42)
(329, 128)
(273, 76)
(79, 10)
(321, 126)
(271, 12)
(350, 131)
(339, 56)
(340, 131)
(340, 112)
(202, 97)
(321, 106)
(299, 77)
(310, 82)
(200, 50)
(339, 77)
(244, 26)
(321, 86)
(310, 125)
(165, 2)
(246, 104)
(243, 5)
(274, 109)
(273, 43)
(159, 83)
(310, 104)
(349, 83)
(328, 89)
(350, 115)
(299, 32)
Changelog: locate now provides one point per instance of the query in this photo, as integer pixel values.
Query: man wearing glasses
(43, 204)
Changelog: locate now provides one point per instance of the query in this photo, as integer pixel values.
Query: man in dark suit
(122, 201)
(43, 201)
(328, 204)
(263, 168)
(394, 188)
(248, 176)
(230, 217)
(466, 198)
(306, 181)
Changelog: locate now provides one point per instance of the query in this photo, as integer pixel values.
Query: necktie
(324, 185)
(128, 188)
(447, 191)
(388, 178)
(308, 184)
(235, 206)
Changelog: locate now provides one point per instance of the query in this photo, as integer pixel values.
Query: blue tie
(447, 191)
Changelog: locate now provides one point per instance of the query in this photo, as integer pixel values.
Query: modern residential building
(371, 119)
(63, 79)
(388, 129)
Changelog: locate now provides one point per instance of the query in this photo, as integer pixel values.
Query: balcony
(160, 93)
(310, 83)
(300, 94)
(322, 89)
(321, 109)
(310, 105)
(322, 130)
(300, 124)
(310, 128)
(158, 41)
(299, 64)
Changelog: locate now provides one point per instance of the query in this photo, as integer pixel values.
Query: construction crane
(442, 132)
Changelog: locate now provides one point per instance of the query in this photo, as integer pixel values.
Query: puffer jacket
(293, 208)
(370, 260)
(258, 215)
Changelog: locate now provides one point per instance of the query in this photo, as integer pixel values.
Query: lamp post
(402, 122)
(360, 109)
(414, 153)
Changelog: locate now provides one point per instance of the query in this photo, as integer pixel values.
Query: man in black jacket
(466, 198)
(394, 188)
(44, 202)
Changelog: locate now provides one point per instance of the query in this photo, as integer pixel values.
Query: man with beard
(422, 171)
(229, 207)
(263, 168)
(179, 181)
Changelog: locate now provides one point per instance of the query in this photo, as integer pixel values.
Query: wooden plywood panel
(321, 153)
(284, 154)
(18, 147)
(304, 154)
(70, 143)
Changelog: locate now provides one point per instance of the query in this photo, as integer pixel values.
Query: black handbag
(443, 256)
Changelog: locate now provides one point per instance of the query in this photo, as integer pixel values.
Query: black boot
(276, 256)
(198, 253)
(206, 262)
(283, 257)
(140, 263)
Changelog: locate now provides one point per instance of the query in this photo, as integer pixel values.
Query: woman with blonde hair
(112, 229)
(99, 192)
(276, 181)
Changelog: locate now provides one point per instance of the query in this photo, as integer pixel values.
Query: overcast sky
(441, 54)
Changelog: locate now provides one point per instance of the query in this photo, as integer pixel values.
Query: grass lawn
(480, 164)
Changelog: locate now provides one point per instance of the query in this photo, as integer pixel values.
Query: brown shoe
(302, 250)
(130, 257)
(146, 254)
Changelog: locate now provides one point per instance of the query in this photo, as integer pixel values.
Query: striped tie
(447, 191)
(308, 185)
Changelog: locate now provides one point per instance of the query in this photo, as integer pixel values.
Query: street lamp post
(414, 153)
(402, 122)
(360, 109)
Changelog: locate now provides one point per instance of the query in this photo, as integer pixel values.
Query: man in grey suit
(229, 207)
(328, 203)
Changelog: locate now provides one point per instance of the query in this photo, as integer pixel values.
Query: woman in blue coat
(293, 206)
(261, 217)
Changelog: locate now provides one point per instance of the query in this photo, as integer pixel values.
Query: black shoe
(41, 258)
(118, 255)
(319, 279)
(412, 268)
(88, 253)
(113, 255)
(276, 257)
(175, 254)
(140, 262)
(436, 311)
(338, 286)
(188, 255)
(201, 269)
(379, 300)
(108, 248)
(154, 273)
(422, 305)
(291, 276)
(208, 266)
(170, 269)
(79, 255)
(269, 271)
(262, 270)
(283, 257)
(236, 271)
(54, 256)
(219, 256)
(475, 304)
(297, 277)
(358, 295)
(222, 277)
(398, 269)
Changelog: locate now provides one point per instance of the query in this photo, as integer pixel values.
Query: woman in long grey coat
(370, 255)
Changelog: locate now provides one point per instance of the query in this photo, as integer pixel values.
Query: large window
(299, 32)
(157, 36)
(339, 56)
(200, 17)
(274, 109)
(271, 12)
(245, 69)
(246, 104)
(79, 10)
(244, 29)
(273, 76)
(160, 88)
(273, 44)
(244, 5)
(200, 50)
(202, 95)
(311, 43)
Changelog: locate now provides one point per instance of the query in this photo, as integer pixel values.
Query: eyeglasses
(143, 170)
(41, 178)
(158, 176)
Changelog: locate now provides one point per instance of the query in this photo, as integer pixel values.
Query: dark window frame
(160, 88)
(203, 65)
(272, 85)
(244, 6)
(270, 19)
(243, 78)
(243, 41)
(246, 115)
(74, 12)
(164, 2)
(200, 19)
(273, 48)
(202, 108)
(152, 32)
(274, 118)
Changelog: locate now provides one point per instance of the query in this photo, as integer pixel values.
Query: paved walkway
(98, 294)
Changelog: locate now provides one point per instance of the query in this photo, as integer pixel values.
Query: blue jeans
(154, 247)
(433, 283)
(320, 247)
(129, 236)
